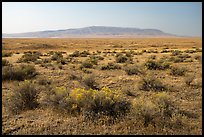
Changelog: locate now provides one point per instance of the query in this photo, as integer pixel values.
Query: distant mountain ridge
(92, 31)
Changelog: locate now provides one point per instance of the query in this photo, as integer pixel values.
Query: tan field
(143, 86)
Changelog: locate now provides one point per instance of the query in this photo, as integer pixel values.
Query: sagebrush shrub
(176, 71)
(57, 56)
(29, 57)
(133, 70)
(150, 82)
(88, 102)
(90, 82)
(75, 54)
(105, 101)
(7, 54)
(86, 64)
(110, 66)
(24, 97)
(20, 73)
(121, 59)
(5, 63)
(165, 103)
(156, 65)
(44, 81)
(146, 111)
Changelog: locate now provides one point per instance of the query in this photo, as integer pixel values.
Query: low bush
(110, 66)
(5, 63)
(176, 71)
(89, 102)
(121, 59)
(57, 56)
(133, 70)
(43, 81)
(86, 64)
(150, 82)
(156, 65)
(189, 79)
(146, 111)
(165, 103)
(198, 57)
(23, 97)
(62, 61)
(175, 52)
(155, 111)
(29, 57)
(20, 73)
(75, 54)
(7, 54)
(90, 82)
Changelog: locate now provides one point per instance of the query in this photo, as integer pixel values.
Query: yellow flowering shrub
(106, 101)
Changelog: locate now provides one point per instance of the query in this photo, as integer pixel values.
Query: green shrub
(190, 51)
(57, 56)
(175, 52)
(90, 82)
(85, 53)
(75, 54)
(121, 59)
(28, 57)
(133, 70)
(176, 71)
(46, 60)
(5, 63)
(58, 98)
(165, 103)
(7, 54)
(110, 66)
(177, 60)
(155, 111)
(18, 73)
(148, 83)
(156, 65)
(24, 97)
(61, 61)
(145, 110)
(165, 51)
(86, 64)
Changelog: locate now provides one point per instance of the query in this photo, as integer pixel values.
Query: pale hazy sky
(181, 18)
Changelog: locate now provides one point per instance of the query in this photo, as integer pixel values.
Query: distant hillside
(93, 31)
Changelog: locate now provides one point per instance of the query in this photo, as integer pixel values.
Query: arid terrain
(141, 86)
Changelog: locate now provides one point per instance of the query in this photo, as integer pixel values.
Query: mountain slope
(94, 31)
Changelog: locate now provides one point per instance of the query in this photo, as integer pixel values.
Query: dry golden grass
(187, 118)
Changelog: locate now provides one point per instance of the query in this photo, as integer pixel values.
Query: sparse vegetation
(102, 86)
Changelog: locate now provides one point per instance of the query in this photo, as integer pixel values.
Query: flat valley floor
(161, 78)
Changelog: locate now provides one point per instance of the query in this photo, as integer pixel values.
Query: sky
(181, 18)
